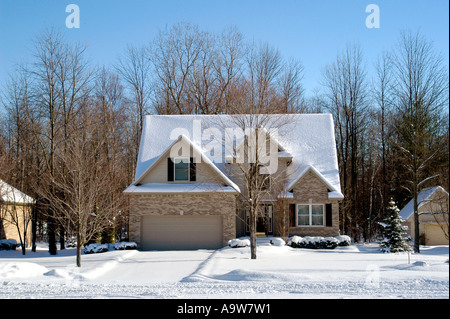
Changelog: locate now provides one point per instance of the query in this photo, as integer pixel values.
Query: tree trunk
(79, 246)
(51, 234)
(253, 232)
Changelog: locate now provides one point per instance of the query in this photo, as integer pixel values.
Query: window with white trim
(310, 214)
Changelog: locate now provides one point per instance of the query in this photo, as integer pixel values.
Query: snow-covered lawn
(357, 271)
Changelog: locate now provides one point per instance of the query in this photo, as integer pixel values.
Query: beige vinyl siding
(204, 172)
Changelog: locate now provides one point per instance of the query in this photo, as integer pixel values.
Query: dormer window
(181, 169)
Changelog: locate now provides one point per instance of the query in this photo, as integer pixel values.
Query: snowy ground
(358, 271)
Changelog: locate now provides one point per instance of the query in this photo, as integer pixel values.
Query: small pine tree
(395, 236)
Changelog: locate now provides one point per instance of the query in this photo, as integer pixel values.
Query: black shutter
(170, 169)
(292, 215)
(192, 170)
(328, 216)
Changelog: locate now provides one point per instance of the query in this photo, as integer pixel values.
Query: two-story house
(189, 190)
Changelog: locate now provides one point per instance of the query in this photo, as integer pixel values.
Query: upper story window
(181, 169)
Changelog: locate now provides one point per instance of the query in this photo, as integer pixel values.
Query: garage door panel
(181, 232)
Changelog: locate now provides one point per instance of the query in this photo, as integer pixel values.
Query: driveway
(141, 267)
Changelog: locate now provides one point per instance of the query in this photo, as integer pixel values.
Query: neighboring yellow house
(15, 213)
(433, 216)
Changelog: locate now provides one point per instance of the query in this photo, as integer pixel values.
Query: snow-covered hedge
(101, 248)
(235, 243)
(344, 240)
(318, 242)
(125, 245)
(277, 241)
(8, 244)
(95, 248)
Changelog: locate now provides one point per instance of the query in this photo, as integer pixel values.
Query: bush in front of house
(318, 242)
(125, 245)
(95, 248)
(236, 243)
(101, 248)
(344, 240)
(8, 244)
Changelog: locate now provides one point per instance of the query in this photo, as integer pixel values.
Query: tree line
(70, 130)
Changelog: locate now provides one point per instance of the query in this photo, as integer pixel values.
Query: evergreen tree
(394, 232)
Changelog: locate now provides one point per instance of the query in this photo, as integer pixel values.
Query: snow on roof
(11, 194)
(164, 188)
(308, 138)
(424, 196)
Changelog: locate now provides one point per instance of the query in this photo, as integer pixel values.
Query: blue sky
(311, 31)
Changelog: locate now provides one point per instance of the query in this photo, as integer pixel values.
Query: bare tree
(347, 94)
(227, 64)
(421, 94)
(253, 157)
(291, 89)
(383, 97)
(174, 53)
(135, 68)
(264, 64)
(86, 185)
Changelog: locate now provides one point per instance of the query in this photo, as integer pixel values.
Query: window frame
(310, 215)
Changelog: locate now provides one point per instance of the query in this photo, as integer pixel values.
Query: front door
(261, 225)
(264, 222)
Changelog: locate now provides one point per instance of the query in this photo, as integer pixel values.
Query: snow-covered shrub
(277, 241)
(344, 240)
(101, 248)
(8, 244)
(95, 248)
(125, 245)
(294, 240)
(235, 243)
(313, 242)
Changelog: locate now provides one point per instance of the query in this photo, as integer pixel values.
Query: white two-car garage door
(181, 232)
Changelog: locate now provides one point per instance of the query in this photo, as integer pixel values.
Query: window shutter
(328, 216)
(292, 215)
(170, 169)
(192, 170)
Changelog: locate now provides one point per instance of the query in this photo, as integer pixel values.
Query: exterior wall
(425, 221)
(310, 188)
(190, 204)
(438, 203)
(8, 228)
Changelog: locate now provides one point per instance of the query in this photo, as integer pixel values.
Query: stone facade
(186, 204)
(311, 189)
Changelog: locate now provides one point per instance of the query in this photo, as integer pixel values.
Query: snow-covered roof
(424, 196)
(164, 188)
(308, 138)
(11, 194)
